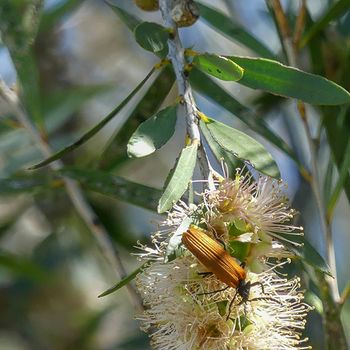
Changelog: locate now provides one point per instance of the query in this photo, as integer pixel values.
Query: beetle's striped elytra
(215, 258)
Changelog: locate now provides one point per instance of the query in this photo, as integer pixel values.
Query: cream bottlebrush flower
(179, 316)
(258, 207)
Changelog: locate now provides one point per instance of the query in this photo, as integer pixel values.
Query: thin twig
(315, 181)
(74, 192)
(177, 57)
(334, 332)
(285, 30)
(299, 25)
(345, 295)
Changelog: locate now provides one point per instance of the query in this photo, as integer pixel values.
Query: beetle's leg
(258, 284)
(214, 291)
(230, 306)
(242, 264)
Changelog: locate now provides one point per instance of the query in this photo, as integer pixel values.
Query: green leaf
(279, 79)
(336, 10)
(93, 131)
(124, 281)
(176, 238)
(219, 67)
(131, 21)
(28, 75)
(115, 186)
(53, 15)
(153, 133)
(215, 93)
(22, 267)
(343, 176)
(305, 251)
(19, 22)
(242, 146)
(337, 126)
(220, 154)
(180, 178)
(232, 30)
(152, 37)
(115, 151)
(23, 183)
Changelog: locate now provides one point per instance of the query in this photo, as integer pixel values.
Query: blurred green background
(86, 61)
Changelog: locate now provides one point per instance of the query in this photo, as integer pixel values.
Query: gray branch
(177, 57)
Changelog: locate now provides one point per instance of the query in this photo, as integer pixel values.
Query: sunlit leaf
(93, 131)
(233, 30)
(219, 67)
(276, 78)
(153, 133)
(180, 178)
(215, 93)
(220, 153)
(242, 146)
(115, 186)
(152, 37)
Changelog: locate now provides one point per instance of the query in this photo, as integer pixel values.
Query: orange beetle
(215, 258)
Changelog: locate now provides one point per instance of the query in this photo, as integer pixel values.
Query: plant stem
(177, 57)
(334, 332)
(74, 192)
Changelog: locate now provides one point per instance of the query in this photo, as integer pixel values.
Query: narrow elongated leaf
(153, 133)
(242, 146)
(28, 75)
(51, 16)
(233, 30)
(336, 10)
(93, 131)
(337, 126)
(180, 178)
(124, 281)
(131, 21)
(219, 67)
(22, 267)
(115, 151)
(215, 93)
(305, 251)
(152, 37)
(279, 79)
(24, 183)
(115, 186)
(343, 175)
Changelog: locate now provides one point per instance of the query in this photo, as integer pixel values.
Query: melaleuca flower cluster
(187, 307)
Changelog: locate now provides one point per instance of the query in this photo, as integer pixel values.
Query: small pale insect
(215, 258)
